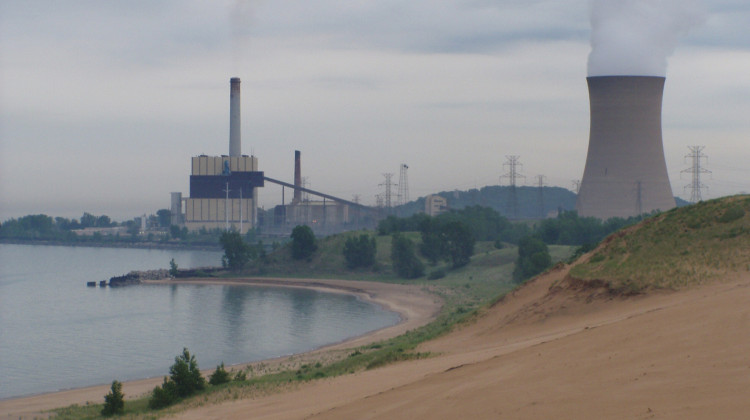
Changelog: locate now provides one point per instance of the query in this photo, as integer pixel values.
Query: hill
(682, 247)
(529, 203)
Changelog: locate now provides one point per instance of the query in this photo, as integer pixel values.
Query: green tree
(533, 258)
(236, 252)
(433, 246)
(88, 220)
(405, 261)
(173, 268)
(163, 395)
(459, 242)
(164, 216)
(114, 401)
(303, 242)
(360, 251)
(186, 375)
(220, 376)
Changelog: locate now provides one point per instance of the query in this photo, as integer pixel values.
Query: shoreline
(415, 306)
(114, 244)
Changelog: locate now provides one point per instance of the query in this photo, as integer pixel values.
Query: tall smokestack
(297, 177)
(625, 173)
(235, 139)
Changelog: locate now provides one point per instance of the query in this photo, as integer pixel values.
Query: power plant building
(625, 173)
(223, 189)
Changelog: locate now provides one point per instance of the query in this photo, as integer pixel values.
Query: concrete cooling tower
(625, 173)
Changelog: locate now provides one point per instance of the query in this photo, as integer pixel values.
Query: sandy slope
(554, 352)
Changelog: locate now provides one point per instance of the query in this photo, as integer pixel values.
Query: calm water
(56, 333)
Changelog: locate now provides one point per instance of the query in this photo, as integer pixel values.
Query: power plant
(224, 192)
(625, 173)
(223, 189)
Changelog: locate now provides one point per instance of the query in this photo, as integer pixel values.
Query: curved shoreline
(415, 306)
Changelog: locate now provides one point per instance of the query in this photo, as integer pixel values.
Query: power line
(696, 170)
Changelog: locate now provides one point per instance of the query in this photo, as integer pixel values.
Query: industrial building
(326, 215)
(625, 173)
(435, 205)
(223, 189)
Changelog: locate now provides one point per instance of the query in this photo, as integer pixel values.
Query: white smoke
(635, 37)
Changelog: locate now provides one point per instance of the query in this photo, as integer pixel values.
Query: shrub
(437, 274)
(533, 258)
(405, 261)
(220, 376)
(114, 402)
(163, 395)
(240, 376)
(360, 252)
(731, 214)
(236, 252)
(303, 242)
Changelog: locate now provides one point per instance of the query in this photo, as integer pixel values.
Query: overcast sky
(103, 103)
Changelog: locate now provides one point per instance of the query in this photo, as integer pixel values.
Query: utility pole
(638, 198)
(696, 170)
(226, 208)
(388, 184)
(540, 183)
(512, 175)
(403, 185)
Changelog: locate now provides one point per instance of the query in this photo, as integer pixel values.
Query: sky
(103, 103)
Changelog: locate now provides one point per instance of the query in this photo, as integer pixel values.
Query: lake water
(56, 333)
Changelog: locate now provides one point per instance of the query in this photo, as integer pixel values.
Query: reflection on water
(57, 333)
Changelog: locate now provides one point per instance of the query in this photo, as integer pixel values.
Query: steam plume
(635, 37)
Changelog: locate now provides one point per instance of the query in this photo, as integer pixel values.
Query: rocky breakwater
(136, 277)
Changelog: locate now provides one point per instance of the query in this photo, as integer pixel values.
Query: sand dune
(551, 351)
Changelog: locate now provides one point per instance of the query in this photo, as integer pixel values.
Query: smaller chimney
(297, 178)
(235, 140)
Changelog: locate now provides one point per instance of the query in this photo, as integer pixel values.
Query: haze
(102, 104)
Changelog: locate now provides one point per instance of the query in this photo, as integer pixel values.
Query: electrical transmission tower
(696, 170)
(388, 184)
(540, 183)
(638, 198)
(576, 185)
(513, 174)
(403, 185)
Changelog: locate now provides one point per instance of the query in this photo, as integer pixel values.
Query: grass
(464, 291)
(682, 247)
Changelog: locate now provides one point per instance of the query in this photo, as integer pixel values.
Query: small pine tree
(173, 268)
(186, 375)
(163, 395)
(114, 402)
(220, 376)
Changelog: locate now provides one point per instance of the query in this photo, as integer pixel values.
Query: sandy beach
(415, 306)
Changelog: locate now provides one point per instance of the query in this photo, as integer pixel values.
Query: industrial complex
(625, 173)
(224, 193)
